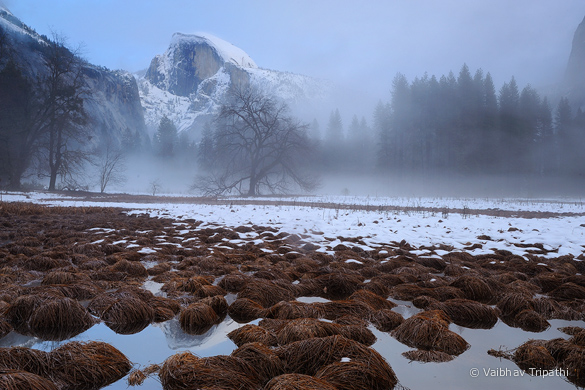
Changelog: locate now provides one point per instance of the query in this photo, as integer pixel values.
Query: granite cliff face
(113, 103)
(189, 82)
(574, 81)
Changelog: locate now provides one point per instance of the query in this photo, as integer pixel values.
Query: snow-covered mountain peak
(227, 51)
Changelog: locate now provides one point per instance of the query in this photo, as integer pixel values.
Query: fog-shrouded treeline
(461, 124)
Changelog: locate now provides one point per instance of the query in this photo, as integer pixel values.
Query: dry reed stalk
(298, 382)
(358, 375)
(252, 333)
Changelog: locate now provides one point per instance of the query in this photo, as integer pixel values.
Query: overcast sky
(362, 42)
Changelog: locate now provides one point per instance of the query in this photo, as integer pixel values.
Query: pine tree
(166, 138)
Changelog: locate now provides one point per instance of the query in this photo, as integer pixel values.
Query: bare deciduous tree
(111, 164)
(259, 148)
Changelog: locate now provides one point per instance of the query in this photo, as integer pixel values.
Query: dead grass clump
(59, 319)
(423, 301)
(337, 309)
(25, 359)
(512, 304)
(309, 356)
(266, 293)
(358, 375)
(252, 333)
(234, 282)
(94, 364)
(408, 292)
(548, 281)
(298, 382)
(197, 318)
(59, 277)
(186, 371)
(43, 263)
(559, 348)
(123, 311)
(568, 291)
(262, 358)
(552, 309)
(444, 293)
(136, 378)
(351, 320)
(80, 290)
(131, 268)
(338, 286)
(474, 288)
(5, 328)
(272, 325)
(294, 309)
(376, 302)
(218, 303)
(533, 354)
(578, 338)
(468, 313)
(305, 328)
(159, 269)
(386, 320)
(244, 310)
(429, 330)
(530, 321)
(575, 365)
(377, 287)
(49, 317)
(23, 380)
(425, 356)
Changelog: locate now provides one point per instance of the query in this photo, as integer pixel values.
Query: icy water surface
(157, 342)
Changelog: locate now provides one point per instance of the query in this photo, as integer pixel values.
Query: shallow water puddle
(159, 341)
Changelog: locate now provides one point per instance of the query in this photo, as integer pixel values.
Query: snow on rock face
(227, 51)
(190, 80)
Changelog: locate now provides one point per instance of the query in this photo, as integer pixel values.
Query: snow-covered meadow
(327, 221)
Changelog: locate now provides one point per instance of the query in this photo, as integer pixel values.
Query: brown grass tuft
(23, 380)
(474, 288)
(425, 356)
(429, 330)
(244, 310)
(376, 302)
(186, 371)
(262, 358)
(309, 356)
(294, 309)
(198, 318)
(468, 313)
(358, 375)
(533, 354)
(386, 320)
(298, 382)
(252, 333)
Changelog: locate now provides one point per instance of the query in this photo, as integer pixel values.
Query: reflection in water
(159, 341)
